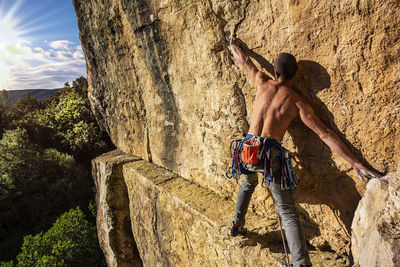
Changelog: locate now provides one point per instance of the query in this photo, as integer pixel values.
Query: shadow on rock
(323, 182)
(271, 240)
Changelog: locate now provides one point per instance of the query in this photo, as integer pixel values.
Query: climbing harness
(251, 150)
(255, 150)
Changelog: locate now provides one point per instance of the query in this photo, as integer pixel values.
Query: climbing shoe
(237, 229)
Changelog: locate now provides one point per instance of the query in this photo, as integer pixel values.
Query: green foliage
(23, 106)
(5, 98)
(6, 264)
(3, 119)
(72, 241)
(10, 111)
(35, 185)
(6, 118)
(67, 123)
(92, 208)
(80, 85)
(74, 123)
(45, 153)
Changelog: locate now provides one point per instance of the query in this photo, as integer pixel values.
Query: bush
(72, 241)
(6, 264)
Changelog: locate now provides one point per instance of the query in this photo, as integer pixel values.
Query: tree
(5, 111)
(80, 85)
(45, 154)
(5, 98)
(35, 187)
(26, 104)
(72, 241)
(68, 124)
(23, 106)
(3, 119)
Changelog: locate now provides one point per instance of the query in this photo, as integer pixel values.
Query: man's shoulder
(262, 78)
(294, 92)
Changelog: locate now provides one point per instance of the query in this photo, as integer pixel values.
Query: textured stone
(113, 218)
(164, 86)
(376, 229)
(179, 223)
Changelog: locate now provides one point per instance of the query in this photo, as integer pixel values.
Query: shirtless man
(276, 105)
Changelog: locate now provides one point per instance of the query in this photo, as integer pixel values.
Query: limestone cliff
(164, 86)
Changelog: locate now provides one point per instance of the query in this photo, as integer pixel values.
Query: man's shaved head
(285, 64)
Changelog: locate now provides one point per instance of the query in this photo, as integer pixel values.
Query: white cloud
(38, 49)
(19, 49)
(78, 54)
(51, 75)
(31, 67)
(60, 44)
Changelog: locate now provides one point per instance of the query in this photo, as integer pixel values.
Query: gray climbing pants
(285, 204)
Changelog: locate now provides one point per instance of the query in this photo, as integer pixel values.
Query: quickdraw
(289, 180)
(237, 167)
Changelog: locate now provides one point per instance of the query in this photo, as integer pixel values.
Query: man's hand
(237, 49)
(363, 171)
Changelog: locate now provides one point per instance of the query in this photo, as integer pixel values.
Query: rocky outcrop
(164, 86)
(113, 216)
(176, 222)
(376, 225)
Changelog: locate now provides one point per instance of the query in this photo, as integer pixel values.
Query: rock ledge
(176, 222)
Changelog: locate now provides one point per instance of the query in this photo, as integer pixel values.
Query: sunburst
(24, 27)
(11, 42)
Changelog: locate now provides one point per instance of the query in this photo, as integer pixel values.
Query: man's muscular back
(274, 108)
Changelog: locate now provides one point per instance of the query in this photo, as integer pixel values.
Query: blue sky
(39, 44)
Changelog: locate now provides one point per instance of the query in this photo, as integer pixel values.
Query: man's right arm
(255, 75)
(330, 138)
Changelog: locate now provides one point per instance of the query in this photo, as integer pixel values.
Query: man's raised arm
(330, 138)
(237, 49)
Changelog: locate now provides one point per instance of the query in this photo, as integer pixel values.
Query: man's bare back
(274, 109)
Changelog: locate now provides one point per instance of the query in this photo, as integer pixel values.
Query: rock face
(376, 230)
(164, 86)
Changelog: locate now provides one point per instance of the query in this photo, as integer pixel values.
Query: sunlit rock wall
(164, 86)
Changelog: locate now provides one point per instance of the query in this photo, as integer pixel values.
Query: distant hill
(38, 94)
